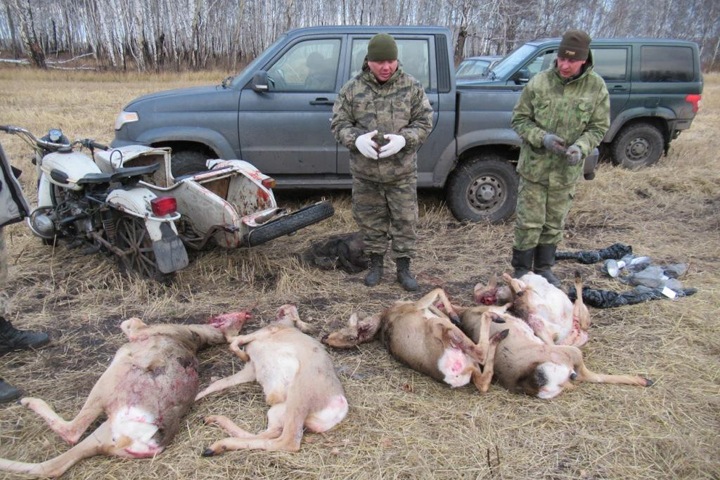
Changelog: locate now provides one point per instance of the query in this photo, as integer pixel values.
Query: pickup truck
(276, 114)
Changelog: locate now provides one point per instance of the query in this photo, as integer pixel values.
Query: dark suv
(655, 88)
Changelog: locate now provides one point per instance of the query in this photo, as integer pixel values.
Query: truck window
(541, 62)
(611, 63)
(666, 64)
(413, 55)
(311, 65)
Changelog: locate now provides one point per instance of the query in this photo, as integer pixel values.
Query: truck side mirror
(521, 76)
(260, 82)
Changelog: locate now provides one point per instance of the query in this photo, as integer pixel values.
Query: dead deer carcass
(149, 386)
(546, 308)
(524, 363)
(298, 380)
(423, 337)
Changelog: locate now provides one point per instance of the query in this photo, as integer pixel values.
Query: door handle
(322, 101)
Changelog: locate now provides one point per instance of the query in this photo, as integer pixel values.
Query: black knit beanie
(382, 47)
(575, 45)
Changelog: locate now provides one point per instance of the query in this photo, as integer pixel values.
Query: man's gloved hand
(573, 154)
(554, 143)
(366, 145)
(394, 145)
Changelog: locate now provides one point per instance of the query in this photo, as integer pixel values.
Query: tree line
(147, 35)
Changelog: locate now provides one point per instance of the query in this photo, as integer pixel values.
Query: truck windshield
(509, 64)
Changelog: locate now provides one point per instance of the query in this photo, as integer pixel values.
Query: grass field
(401, 425)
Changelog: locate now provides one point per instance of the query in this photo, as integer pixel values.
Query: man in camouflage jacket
(383, 116)
(561, 116)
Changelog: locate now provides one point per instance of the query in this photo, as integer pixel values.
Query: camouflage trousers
(3, 274)
(540, 214)
(386, 212)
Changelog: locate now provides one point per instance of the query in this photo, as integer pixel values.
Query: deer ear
(353, 321)
(368, 327)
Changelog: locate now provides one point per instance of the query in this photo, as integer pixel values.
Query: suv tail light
(694, 99)
(162, 206)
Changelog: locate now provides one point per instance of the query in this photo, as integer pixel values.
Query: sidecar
(230, 204)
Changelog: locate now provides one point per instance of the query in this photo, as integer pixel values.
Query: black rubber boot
(14, 339)
(376, 270)
(404, 276)
(522, 261)
(8, 393)
(544, 260)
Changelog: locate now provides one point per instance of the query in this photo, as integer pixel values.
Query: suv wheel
(638, 145)
(483, 189)
(186, 162)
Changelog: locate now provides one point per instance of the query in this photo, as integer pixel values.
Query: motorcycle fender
(135, 201)
(170, 253)
(44, 186)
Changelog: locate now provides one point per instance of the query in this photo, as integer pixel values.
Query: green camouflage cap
(382, 47)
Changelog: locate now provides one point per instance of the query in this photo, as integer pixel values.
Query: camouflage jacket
(577, 111)
(398, 106)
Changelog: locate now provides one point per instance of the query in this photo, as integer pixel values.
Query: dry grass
(401, 424)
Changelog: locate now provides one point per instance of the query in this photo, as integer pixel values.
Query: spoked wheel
(134, 240)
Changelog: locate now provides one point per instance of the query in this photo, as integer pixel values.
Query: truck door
(286, 130)
(416, 56)
(613, 64)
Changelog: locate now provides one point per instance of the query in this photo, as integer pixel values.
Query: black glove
(554, 143)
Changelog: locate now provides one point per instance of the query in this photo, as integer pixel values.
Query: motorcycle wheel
(132, 237)
(302, 218)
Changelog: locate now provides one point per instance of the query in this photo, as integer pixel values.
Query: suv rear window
(666, 64)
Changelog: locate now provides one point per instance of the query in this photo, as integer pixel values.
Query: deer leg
(247, 374)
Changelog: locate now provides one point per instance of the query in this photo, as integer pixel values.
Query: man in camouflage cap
(561, 116)
(383, 116)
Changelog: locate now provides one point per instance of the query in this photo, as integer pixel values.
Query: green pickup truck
(276, 112)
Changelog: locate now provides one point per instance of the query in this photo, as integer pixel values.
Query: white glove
(396, 143)
(366, 145)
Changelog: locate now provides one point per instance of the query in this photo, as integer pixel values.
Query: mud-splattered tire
(297, 220)
(636, 146)
(185, 162)
(484, 189)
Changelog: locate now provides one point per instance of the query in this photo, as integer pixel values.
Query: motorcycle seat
(95, 178)
(131, 172)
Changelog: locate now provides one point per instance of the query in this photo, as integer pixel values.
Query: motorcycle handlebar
(47, 145)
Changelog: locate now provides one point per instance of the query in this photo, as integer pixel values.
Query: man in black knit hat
(561, 116)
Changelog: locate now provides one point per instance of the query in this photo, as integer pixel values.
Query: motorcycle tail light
(268, 182)
(162, 206)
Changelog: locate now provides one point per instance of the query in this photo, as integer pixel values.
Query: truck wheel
(638, 145)
(483, 189)
(185, 162)
(288, 224)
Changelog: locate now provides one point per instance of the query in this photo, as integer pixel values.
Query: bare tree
(198, 34)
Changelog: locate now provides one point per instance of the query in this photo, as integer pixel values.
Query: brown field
(401, 424)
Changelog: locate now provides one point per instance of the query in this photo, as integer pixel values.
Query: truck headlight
(125, 117)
